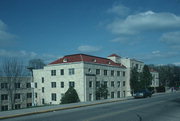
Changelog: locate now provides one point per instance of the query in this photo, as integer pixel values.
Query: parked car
(142, 94)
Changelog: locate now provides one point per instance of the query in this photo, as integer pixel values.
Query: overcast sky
(148, 30)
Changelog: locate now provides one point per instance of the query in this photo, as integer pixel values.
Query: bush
(70, 96)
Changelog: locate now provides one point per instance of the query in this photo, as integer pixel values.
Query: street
(165, 107)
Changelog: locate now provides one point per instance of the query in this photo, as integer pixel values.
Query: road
(164, 107)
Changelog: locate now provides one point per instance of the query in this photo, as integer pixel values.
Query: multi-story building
(83, 72)
(15, 93)
(130, 64)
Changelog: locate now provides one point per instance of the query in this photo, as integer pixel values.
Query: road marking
(122, 111)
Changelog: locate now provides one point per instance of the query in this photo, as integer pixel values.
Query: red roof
(114, 55)
(86, 58)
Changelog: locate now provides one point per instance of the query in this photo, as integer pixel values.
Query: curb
(58, 109)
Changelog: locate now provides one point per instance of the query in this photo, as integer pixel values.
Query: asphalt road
(164, 107)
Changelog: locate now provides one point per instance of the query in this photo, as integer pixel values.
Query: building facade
(83, 72)
(15, 93)
(155, 78)
(130, 64)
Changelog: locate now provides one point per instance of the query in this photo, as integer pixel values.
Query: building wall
(22, 101)
(84, 73)
(155, 80)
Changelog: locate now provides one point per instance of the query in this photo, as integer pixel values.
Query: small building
(15, 93)
(155, 78)
(83, 72)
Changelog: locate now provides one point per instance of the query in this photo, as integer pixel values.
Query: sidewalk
(45, 109)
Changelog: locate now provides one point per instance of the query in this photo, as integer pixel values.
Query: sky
(147, 30)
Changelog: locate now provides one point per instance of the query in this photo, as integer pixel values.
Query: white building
(129, 63)
(83, 72)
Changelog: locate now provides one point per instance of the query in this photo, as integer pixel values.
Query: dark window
(4, 85)
(118, 73)
(118, 83)
(105, 72)
(29, 95)
(90, 84)
(112, 73)
(29, 105)
(62, 71)
(62, 84)
(53, 72)
(43, 101)
(42, 89)
(53, 84)
(124, 83)
(112, 94)
(36, 95)
(71, 71)
(97, 71)
(17, 96)
(35, 84)
(17, 85)
(118, 94)
(97, 83)
(42, 79)
(124, 73)
(28, 85)
(4, 97)
(17, 106)
(53, 96)
(71, 84)
(4, 108)
(105, 83)
(112, 83)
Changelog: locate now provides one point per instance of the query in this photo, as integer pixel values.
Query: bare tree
(12, 69)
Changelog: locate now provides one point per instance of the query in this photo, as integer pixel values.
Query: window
(28, 85)
(17, 96)
(71, 71)
(112, 83)
(43, 101)
(42, 79)
(89, 70)
(62, 72)
(112, 94)
(4, 97)
(29, 105)
(53, 72)
(105, 83)
(97, 83)
(4, 85)
(4, 107)
(112, 73)
(105, 72)
(62, 84)
(35, 84)
(124, 83)
(71, 84)
(17, 106)
(53, 96)
(17, 85)
(90, 84)
(53, 84)
(42, 89)
(118, 94)
(36, 95)
(29, 95)
(118, 73)
(124, 73)
(118, 83)
(97, 71)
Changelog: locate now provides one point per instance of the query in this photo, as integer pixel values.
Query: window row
(16, 96)
(16, 85)
(110, 73)
(105, 83)
(71, 72)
